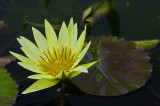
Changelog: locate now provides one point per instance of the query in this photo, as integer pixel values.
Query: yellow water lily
(53, 59)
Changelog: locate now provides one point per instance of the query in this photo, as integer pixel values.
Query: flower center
(58, 60)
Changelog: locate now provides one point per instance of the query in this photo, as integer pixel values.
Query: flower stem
(62, 95)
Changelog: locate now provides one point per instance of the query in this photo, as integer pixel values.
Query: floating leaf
(146, 44)
(7, 89)
(122, 68)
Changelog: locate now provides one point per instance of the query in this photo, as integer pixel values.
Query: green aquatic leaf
(94, 12)
(127, 4)
(98, 10)
(122, 68)
(8, 88)
(146, 44)
(56, 27)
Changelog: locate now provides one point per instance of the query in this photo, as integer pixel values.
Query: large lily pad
(7, 89)
(122, 68)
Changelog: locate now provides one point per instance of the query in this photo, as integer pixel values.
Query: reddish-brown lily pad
(122, 68)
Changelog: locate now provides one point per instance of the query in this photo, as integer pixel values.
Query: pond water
(138, 20)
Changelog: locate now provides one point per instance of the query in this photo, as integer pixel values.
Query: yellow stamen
(58, 60)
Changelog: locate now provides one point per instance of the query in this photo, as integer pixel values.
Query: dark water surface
(139, 20)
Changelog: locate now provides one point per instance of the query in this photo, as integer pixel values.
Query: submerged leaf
(122, 68)
(56, 27)
(47, 3)
(2, 24)
(4, 30)
(7, 89)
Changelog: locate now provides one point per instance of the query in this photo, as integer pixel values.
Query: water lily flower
(53, 59)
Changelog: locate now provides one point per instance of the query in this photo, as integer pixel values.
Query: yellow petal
(40, 84)
(40, 40)
(34, 57)
(80, 69)
(62, 75)
(51, 36)
(20, 42)
(30, 67)
(63, 35)
(30, 45)
(88, 65)
(80, 42)
(74, 73)
(40, 76)
(73, 36)
(70, 26)
(22, 58)
(82, 54)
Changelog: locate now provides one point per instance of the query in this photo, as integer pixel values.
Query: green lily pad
(8, 88)
(122, 68)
